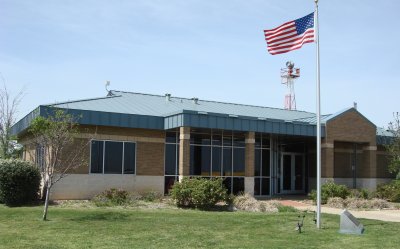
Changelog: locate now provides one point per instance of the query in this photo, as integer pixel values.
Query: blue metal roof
(383, 137)
(156, 105)
(137, 110)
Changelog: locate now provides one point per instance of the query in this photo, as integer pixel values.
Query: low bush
(198, 192)
(357, 203)
(361, 194)
(329, 190)
(19, 182)
(336, 202)
(390, 191)
(112, 197)
(150, 196)
(247, 202)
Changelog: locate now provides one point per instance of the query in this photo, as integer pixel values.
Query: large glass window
(227, 161)
(112, 157)
(171, 167)
(96, 156)
(238, 161)
(262, 165)
(216, 161)
(200, 160)
(170, 159)
(40, 156)
(219, 154)
(129, 158)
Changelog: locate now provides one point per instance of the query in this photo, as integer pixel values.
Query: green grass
(168, 228)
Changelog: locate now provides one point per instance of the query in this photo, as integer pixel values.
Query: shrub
(150, 196)
(247, 202)
(112, 197)
(198, 192)
(356, 203)
(390, 191)
(329, 190)
(360, 194)
(336, 202)
(19, 182)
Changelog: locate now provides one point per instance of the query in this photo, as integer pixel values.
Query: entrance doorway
(292, 173)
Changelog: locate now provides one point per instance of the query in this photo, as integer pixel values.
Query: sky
(213, 50)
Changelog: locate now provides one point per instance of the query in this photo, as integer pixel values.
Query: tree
(8, 114)
(58, 149)
(394, 147)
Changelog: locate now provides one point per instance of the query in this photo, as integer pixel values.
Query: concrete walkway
(384, 215)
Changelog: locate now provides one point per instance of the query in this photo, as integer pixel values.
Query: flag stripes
(290, 35)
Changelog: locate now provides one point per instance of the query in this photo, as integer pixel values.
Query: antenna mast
(289, 76)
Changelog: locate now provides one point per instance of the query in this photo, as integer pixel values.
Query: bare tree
(8, 113)
(59, 150)
(394, 147)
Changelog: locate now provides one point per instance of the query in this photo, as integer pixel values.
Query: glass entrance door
(292, 173)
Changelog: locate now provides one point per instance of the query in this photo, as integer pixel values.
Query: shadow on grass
(368, 223)
(216, 208)
(29, 204)
(109, 216)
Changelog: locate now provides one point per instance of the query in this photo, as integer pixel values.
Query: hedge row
(19, 182)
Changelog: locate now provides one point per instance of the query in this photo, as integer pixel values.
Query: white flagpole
(318, 119)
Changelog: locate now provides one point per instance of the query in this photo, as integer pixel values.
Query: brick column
(249, 164)
(184, 152)
(327, 160)
(370, 150)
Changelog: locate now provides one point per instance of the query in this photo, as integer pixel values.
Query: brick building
(142, 142)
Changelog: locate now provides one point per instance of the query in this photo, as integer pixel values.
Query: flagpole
(318, 119)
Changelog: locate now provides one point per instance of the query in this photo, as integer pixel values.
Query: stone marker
(349, 224)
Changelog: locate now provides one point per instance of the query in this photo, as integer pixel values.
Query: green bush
(19, 182)
(112, 197)
(199, 192)
(329, 190)
(390, 191)
(150, 196)
(361, 194)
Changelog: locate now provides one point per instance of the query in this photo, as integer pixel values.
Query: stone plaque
(349, 224)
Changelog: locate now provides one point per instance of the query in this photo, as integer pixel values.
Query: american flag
(290, 35)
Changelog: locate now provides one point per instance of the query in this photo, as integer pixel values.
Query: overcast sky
(213, 50)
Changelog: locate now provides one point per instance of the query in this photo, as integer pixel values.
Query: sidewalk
(384, 215)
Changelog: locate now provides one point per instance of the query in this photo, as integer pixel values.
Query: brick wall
(341, 133)
(150, 147)
(150, 159)
(351, 127)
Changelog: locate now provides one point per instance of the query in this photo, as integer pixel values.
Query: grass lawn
(168, 228)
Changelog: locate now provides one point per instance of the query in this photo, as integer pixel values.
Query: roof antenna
(109, 93)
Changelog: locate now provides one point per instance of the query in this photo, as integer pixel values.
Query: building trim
(370, 148)
(328, 145)
(184, 118)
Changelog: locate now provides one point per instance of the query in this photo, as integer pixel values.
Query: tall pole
(318, 120)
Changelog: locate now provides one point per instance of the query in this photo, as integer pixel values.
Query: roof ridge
(81, 100)
(213, 101)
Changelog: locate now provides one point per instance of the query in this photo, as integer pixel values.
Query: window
(40, 156)
(171, 165)
(262, 168)
(129, 158)
(112, 157)
(219, 154)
